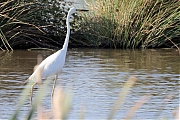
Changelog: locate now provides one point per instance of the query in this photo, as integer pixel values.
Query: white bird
(53, 64)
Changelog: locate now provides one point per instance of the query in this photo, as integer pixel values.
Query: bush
(133, 24)
(109, 24)
(34, 23)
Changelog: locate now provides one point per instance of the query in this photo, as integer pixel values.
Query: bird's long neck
(65, 46)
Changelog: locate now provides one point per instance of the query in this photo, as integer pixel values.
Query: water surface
(96, 77)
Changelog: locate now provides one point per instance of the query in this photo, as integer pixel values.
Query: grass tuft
(133, 24)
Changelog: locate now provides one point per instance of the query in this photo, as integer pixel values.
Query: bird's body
(54, 67)
(53, 64)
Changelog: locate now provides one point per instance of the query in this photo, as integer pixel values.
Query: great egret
(53, 64)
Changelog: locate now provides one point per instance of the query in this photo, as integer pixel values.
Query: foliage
(15, 25)
(34, 23)
(108, 24)
(133, 24)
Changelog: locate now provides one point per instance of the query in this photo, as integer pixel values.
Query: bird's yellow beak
(82, 10)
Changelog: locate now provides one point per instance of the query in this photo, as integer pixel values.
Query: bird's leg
(53, 89)
(32, 93)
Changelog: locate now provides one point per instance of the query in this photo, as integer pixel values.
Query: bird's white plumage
(53, 64)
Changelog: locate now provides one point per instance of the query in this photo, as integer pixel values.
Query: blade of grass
(126, 87)
(136, 106)
(5, 41)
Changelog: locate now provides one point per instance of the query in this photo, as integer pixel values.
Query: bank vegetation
(108, 24)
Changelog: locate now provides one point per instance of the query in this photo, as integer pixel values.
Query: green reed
(108, 24)
(133, 24)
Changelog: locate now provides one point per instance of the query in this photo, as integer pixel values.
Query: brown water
(96, 76)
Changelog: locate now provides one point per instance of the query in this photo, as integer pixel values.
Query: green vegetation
(33, 23)
(133, 24)
(17, 25)
(108, 24)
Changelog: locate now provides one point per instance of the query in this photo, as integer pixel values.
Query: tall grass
(17, 24)
(109, 23)
(33, 23)
(133, 24)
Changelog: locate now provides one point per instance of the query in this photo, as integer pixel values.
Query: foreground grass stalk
(136, 106)
(117, 105)
(62, 103)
